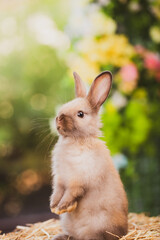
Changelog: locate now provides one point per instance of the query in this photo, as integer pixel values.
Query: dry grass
(140, 227)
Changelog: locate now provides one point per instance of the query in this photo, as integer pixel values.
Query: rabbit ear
(80, 89)
(99, 90)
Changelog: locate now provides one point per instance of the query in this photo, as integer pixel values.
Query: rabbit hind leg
(113, 236)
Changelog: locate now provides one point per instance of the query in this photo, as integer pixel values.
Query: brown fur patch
(119, 224)
(68, 123)
(65, 123)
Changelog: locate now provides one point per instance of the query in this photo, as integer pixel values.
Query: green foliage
(129, 127)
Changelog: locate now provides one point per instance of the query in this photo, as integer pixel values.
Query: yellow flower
(94, 53)
(109, 49)
(155, 33)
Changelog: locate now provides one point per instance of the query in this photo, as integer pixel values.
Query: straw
(141, 227)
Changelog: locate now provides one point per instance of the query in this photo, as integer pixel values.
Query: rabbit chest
(73, 161)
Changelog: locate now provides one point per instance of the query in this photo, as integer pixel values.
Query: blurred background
(41, 44)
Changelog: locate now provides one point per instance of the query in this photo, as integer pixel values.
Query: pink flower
(140, 49)
(129, 76)
(129, 73)
(152, 61)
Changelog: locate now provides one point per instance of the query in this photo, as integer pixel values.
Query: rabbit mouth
(60, 129)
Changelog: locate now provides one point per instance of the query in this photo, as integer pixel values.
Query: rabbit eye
(80, 114)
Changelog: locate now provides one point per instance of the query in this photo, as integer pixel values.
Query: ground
(140, 227)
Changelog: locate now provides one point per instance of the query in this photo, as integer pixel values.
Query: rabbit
(87, 190)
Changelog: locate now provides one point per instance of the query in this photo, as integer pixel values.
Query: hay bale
(140, 227)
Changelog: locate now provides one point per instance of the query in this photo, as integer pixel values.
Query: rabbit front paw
(56, 197)
(54, 201)
(65, 207)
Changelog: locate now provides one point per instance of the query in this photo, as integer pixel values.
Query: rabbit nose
(61, 117)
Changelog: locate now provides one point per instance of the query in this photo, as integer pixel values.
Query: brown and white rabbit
(87, 189)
